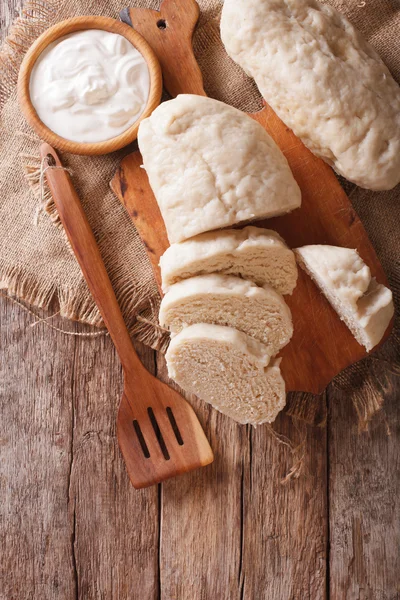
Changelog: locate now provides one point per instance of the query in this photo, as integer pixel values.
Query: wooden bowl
(79, 24)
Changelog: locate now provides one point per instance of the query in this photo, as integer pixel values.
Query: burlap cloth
(36, 264)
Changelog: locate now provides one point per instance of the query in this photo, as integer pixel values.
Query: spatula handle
(85, 248)
(170, 32)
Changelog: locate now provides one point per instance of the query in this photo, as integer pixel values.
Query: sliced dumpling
(211, 165)
(229, 370)
(259, 255)
(259, 312)
(363, 304)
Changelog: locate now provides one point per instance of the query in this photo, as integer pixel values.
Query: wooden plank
(71, 521)
(201, 516)
(285, 525)
(233, 530)
(364, 489)
(8, 11)
(116, 526)
(36, 374)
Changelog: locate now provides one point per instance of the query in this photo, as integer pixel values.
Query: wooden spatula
(158, 431)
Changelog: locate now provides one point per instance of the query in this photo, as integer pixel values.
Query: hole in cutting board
(158, 433)
(162, 24)
(141, 439)
(174, 426)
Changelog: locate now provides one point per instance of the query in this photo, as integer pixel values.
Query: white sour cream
(90, 86)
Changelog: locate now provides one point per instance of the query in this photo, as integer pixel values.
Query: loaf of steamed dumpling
(229, 370)
(211, 166)
(227, 300)
(254, 253)
(363, 304)
(323, 80)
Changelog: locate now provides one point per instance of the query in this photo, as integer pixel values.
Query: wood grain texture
(133, 193)
(175, 24)
(170, 31)
(292, 533)
(364, 490)
(78, 24)
(72, 526)
(69, 515)
(36, 454)
(114, 528)
(9, 10)
(204, 514)
(312, 359)
(265, 540)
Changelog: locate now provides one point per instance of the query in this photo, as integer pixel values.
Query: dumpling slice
(259, 312)
(257, 254)
(229, 370)
(363, 304)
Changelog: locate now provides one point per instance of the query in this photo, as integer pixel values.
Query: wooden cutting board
(321, 346)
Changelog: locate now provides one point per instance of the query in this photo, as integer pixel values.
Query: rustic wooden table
(72, 526)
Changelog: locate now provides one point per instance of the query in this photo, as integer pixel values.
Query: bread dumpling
(229, 370)
(227, 300)
(257, 254)
(211, 166)
(363, 304)
(323, 80)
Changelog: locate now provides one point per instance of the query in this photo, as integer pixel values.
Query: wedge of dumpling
(323, 80)
(363, 304)
(259, 312)
(257, 254)
(229, 370)
(211, 166)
